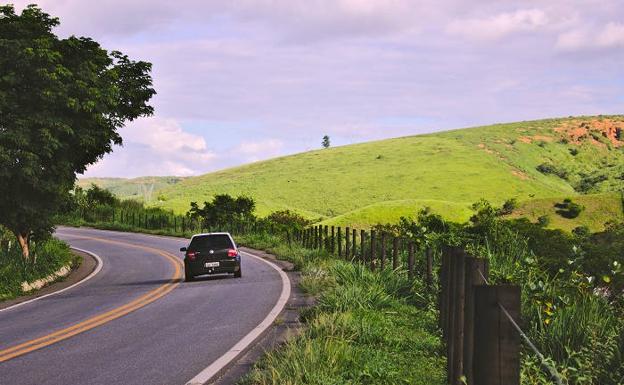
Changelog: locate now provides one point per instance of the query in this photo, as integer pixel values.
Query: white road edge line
(88, 277)
(213, 369)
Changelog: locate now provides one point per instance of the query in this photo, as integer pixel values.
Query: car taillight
(232, 253)
(191, 255)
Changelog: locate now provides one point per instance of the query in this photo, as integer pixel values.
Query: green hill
(380, 181)
(144, 188)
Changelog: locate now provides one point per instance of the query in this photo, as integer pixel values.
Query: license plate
(212, 264)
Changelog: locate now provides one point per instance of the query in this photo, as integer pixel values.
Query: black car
(212, 253)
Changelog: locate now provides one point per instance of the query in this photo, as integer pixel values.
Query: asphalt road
(172, 331)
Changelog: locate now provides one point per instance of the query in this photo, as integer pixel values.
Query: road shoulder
(87, 266)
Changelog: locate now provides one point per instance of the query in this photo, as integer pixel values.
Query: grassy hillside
(380, 181)
(598, 208)
(137, 188)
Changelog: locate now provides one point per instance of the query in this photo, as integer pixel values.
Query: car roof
(206, 234)
(219, 233)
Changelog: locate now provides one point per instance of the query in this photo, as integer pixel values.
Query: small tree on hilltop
(325, 143)
(61, 103)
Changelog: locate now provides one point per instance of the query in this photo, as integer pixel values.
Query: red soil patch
(577, 131)
(531, 139)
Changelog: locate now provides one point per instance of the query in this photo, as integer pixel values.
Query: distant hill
(144, 189)
(540, 161)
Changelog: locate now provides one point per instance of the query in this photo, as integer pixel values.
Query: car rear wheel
(188, 276)
(238, 274)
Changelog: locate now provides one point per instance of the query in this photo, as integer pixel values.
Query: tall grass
(365, 328)
(50, 254)
(577, 329)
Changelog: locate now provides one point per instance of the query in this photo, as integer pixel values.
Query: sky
(244, 80)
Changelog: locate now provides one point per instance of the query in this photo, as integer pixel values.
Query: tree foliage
(61, 103)
(325, 142)
(223, 209)
(288, 219)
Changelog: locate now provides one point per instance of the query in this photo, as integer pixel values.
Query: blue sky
(244, 80)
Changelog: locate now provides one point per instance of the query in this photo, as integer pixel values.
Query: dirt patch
(579, 131)
(536, 138)
(484, 148)
(520, 174)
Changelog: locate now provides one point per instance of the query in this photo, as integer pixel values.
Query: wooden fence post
(395, 253)
(410, 260)
(496, 341)
(383, 250)
(456, 336)
(353, 243)
(333, 240)
(373, 249)
(444, 274)
(326, 238)
(339, 242)
(347, 244)
(476, 270)
(362, 246)
(316, 237)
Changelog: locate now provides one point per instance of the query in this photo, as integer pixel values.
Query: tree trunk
(23, 239)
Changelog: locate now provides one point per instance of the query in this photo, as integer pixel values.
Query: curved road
(135, 322)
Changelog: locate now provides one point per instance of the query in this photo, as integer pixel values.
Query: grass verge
(51, 255)
(367, 327)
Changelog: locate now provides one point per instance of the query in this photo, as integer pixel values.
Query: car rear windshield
(211, 242)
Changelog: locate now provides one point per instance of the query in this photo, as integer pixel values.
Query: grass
(599, 208)
(51, 255)
(380, 181)
(366, 328)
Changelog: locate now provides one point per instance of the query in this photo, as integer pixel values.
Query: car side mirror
(182, 248)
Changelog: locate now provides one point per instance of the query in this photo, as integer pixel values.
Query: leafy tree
(325, 143)
(223, 208)
(100, 196)
(61, 103)
(289, 219)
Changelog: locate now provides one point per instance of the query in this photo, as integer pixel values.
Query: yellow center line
(102, 318)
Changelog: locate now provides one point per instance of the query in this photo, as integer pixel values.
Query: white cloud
(611, 35)
(257, 150)
(155, 146)
(500, 25)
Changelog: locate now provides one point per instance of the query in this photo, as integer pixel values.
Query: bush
(569, 209)
(547, 168)
(543, 220)
(508, 207)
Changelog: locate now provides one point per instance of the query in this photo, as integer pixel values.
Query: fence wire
(551, 369)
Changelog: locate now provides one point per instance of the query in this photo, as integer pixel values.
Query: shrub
(547, 168)
(569, 209)
(543, 220)
(508, 207)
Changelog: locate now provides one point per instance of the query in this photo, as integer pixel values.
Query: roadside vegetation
(367, 327)
(366, 322)
(49, 255)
